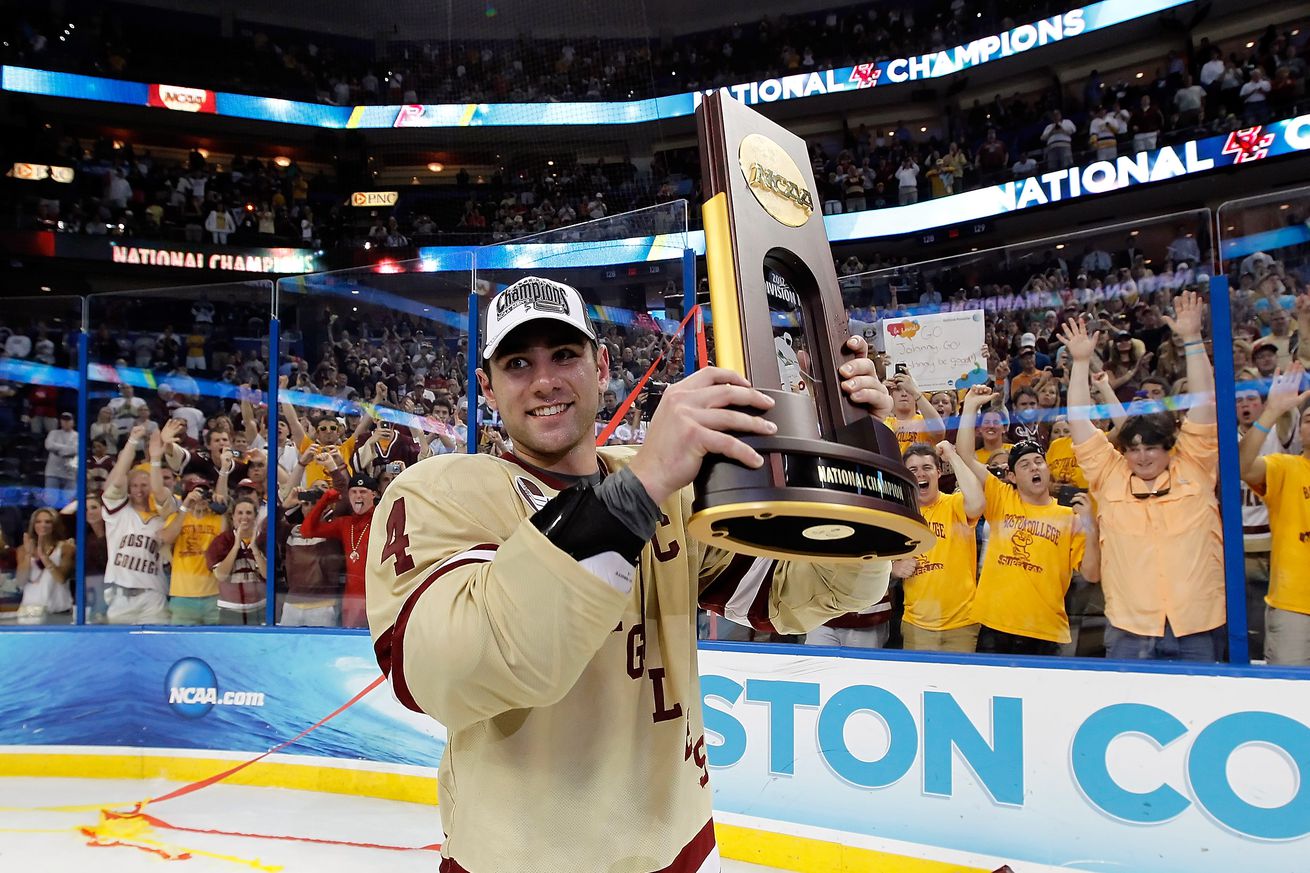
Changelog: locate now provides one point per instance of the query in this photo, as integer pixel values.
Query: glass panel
(629, 270)
(1266, 257)
(39, 405)
(372, 368)
(1021, 581)
(185, 369)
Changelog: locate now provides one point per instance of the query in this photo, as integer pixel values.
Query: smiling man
(1156, 504)
(940, 583)
(542, 605)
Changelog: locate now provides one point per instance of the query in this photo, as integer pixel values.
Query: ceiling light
(282, 161)
(436, 166)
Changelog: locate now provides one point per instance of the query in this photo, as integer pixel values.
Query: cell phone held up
(1067, 493)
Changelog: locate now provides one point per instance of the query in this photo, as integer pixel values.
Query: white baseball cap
(529, 299)
(1027, 341)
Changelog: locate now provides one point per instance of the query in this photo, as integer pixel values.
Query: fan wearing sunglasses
(1162, 569)
(326, 432)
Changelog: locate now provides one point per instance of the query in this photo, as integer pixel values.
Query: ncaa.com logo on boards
(191, 688)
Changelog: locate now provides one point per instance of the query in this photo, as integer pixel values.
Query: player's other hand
(860, 382)
(695, 419)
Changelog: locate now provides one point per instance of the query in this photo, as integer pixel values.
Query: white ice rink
(36, 839)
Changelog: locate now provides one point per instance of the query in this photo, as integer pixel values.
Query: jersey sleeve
(786, 597)
(473, 611)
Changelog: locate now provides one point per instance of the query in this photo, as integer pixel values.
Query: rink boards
(851, 762)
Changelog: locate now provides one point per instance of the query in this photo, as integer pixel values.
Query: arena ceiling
(451, 19)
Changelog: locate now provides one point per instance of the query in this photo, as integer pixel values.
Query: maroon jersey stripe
(390, 646)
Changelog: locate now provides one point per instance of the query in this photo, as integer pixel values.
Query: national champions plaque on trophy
(833, 486)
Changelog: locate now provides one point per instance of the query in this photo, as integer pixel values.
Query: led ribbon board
(1245, 146)
(1048, 31)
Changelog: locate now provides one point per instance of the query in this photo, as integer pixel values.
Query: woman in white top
(45, 561)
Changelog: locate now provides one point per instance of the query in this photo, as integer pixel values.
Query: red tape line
(622, 411)
(219, 777)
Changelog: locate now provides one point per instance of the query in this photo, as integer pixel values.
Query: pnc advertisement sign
(182, 99)
(374, 198)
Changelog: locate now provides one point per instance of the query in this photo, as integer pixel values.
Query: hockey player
(542, 605)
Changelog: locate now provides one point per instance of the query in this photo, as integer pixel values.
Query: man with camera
(1156, 504)
(193, 589)
(914, 419)
(207, 462)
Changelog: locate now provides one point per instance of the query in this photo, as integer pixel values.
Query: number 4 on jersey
(397, 540)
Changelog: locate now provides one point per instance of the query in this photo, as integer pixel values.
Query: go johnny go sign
(942, 350)
(1076, 769)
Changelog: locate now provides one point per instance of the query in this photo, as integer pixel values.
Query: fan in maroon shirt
(352, 531)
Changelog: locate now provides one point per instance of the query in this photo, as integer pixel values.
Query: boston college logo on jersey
(531, 493)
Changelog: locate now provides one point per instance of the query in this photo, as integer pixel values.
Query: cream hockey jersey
(573, 710)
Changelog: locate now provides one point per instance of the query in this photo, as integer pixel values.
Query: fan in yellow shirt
(991, 429)
(1060, 457)
(193, 590)
(940, 584)
(1284, 481)
(913, 418)
(1034, 549)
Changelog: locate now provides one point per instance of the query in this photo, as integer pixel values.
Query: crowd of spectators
(178, 468)
(120, 40)
(1111, 340)
(1026, 135)
(121, 189)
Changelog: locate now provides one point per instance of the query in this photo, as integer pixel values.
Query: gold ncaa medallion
(775, 180)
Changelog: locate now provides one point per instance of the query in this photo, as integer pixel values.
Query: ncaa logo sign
(192, 690)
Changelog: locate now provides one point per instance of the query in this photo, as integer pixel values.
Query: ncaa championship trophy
(832, 486)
